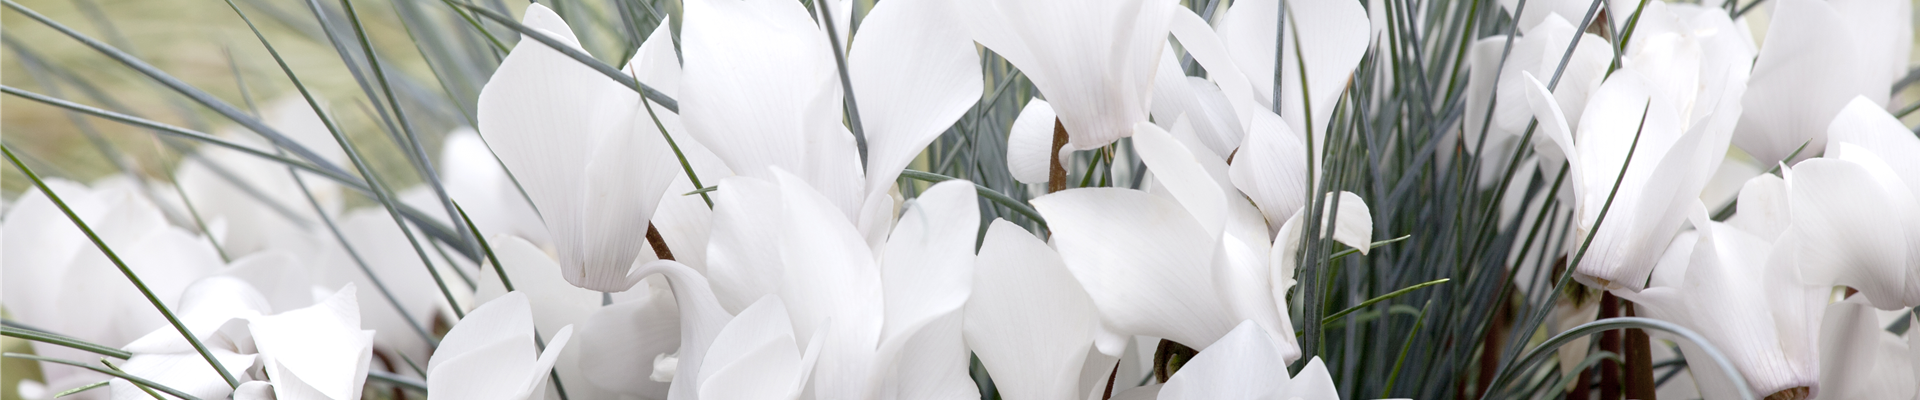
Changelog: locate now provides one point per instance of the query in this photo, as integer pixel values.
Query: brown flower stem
(659, 243)
(1111, 376)
(1580, 386)
(1057, 173)
(1640, 383)
(1610, 342)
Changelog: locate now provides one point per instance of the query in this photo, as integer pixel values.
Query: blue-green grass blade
(111, 372)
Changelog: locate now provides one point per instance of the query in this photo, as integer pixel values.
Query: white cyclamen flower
(1855, 212)
(490, 354)
(886, 317)
(761, 89)
(1675, 117)
(1099, 91)
(1741, 291)
(585, 150)
(1188, 261)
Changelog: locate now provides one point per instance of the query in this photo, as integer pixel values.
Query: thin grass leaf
(1418, 322)
(143, 388)
(63, 341)
(1719, 358)
(1336, 315)
(1567, 276)
(647, 91)
(504, 281)
(359, 163)
(993, 195)
(1370, 246)
(846, 84)
(111, 372)
(412, 147)
(405, 382)
(381, 286)
(684, 165)
(90, 386)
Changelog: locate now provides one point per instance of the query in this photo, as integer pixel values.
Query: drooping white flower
(318, 352)
(1538, 52)
(310, 353)
(886, 316)
(1028, 319)
(1855, 212)
(1331, 36)
(761, 89)
(585, 150)
(164, 357)
(1099, 91)
(490, 354)
(1188, 261)
(1742, 293)
(1674, 149)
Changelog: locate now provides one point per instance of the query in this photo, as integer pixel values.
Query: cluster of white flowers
(802, 272)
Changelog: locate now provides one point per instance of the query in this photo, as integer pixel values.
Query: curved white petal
(1859, 359)
(1333, 35)
(760, 89)
(1811, 66)
(740, 261)
(831, 287)
(505, 318)
(1241, 365)
(1271, 168)
(1175, 95)
(1764, 208)
(1864, 124)
(1740, 293)
(493, 371)
(927, 271)
(1030, 142)
(1175, 167)
(914, 72)
(628, 337)
(933, 364)
(1845, 235)
(574, 141)
(754, 357)
(1143, 259)
(1099, 91)
(534, 275)
(1029, 321)
(701, 319)
(320, 346)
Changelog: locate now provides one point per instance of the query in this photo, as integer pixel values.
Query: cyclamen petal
(584, 150)
(318, 350)
(1099, 91)
(1029, 321)
(1331, 34)
(490, 354)
(915, 72)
